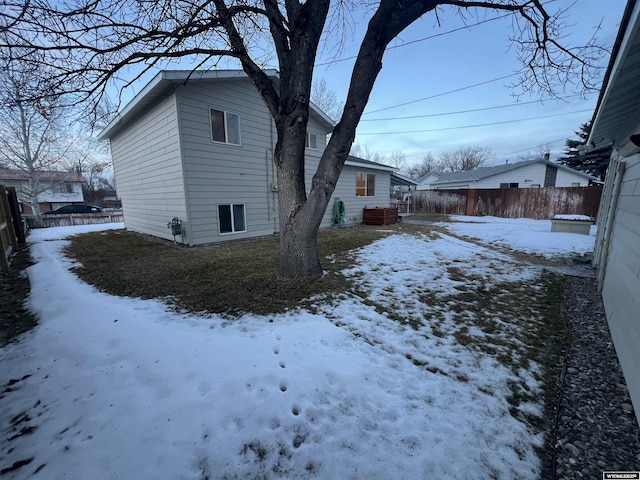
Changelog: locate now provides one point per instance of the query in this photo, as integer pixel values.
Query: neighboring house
(616, 122)
(529, 174)
(198, 146)
(425, 181)
(57, 189)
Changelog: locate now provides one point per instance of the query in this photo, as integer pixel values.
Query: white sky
(121, 388)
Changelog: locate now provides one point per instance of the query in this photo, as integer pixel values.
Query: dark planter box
(379, 216)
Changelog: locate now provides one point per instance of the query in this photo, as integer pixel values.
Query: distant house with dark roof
(529, 174)
(56, 189)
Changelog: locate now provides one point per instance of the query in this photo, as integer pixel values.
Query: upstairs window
(311, 141)
(64, 187)
(365, 184)
(225, 127)
(231, 218)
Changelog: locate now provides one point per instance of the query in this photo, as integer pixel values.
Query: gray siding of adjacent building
(621, 269)
(222, 174)
(346, 192)
(148, 168)
(167, 165)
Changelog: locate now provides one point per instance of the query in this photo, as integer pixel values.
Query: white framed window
(231, 218)
(365, 184)
(311, 141)
(64, 187)
(575, 184)
(225, 126)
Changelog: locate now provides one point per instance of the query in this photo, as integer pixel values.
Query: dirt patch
(15, 319)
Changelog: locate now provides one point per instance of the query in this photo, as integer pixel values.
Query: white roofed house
(55, 188)
(198, 147)
(528, 174)
(616, 122)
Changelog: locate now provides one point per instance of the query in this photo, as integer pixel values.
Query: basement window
(231, 218)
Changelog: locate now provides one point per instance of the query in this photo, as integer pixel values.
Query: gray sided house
(198, 146)
(616, 122)
(529, 174)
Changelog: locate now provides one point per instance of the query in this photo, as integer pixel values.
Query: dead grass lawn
(233, 278)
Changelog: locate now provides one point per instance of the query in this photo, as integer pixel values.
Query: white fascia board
(368, 165)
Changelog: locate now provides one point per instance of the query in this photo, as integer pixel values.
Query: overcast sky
(472, 68)
(462, 59)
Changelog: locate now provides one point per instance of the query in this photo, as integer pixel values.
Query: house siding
(346, 192)
(621, 280)
(147, 165)
(218, 173)
(167, 165)
(524, 176)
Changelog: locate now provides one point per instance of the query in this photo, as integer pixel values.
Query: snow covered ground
(376, 387)
(522, 234)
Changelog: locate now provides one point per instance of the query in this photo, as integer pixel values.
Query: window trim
(244, 218)
(307, 141)
(366, 184)
(226, 114)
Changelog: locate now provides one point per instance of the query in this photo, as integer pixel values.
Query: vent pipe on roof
(547, 155)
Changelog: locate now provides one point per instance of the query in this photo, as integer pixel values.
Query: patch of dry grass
(232, 278)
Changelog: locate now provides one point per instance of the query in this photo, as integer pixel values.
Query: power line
(477, 125)
(462, 111)
(442, 94)
(465, 27)
(526, 149)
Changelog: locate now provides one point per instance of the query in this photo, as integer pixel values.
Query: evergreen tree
(593, 162)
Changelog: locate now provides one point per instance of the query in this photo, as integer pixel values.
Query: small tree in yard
(594, 162)
(93, 42)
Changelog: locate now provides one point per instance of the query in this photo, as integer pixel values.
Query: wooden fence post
(8, 241)
(14, 208)
(471, 202)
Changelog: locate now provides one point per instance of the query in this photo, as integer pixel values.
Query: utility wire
(477, 125)
(441, 94)
(465, 27)
(462, 111)
(552, 142)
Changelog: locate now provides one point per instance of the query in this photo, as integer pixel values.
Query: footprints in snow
(284, 384)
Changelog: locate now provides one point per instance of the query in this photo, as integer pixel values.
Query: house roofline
(405, 179)
(363, 163)
(621, 37)
(514, 166)
(173, 78)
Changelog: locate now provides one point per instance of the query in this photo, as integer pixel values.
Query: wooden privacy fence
(11, 231)
(67, 220)
(535, 203)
